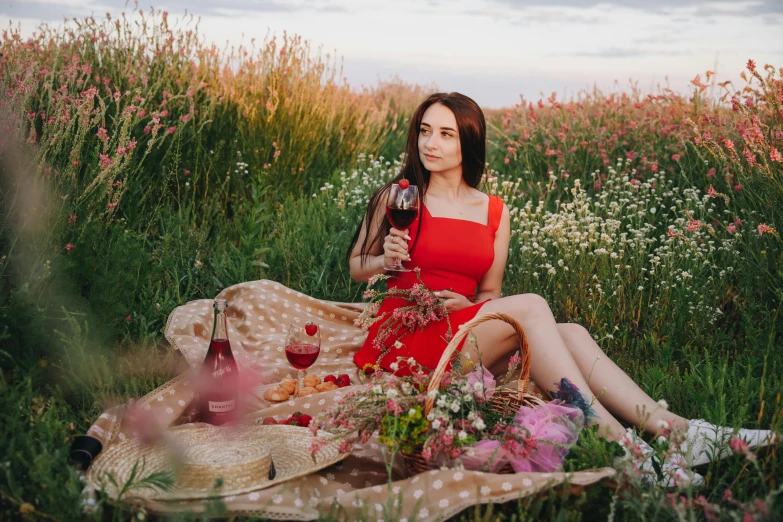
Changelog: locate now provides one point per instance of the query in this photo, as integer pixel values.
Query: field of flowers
(143, 168)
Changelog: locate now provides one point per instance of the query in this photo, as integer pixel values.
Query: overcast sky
(490, 50)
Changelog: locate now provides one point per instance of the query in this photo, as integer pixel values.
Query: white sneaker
(706, 442)
(640, 455)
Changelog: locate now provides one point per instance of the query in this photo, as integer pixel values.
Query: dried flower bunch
(425, 308)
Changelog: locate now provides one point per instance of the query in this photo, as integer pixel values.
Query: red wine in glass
(302, 356)
(302, 347)
(401, 218)
(402, 207)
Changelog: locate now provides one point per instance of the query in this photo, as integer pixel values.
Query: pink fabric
(554, 425)
(484, 377)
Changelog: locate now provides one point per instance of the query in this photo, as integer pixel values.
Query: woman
(460, 242)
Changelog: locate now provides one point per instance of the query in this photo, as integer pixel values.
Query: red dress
(453, 254)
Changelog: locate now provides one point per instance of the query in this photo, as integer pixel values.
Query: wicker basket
(503, 401)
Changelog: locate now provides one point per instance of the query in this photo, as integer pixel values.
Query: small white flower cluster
(356, 188)
(241, 168)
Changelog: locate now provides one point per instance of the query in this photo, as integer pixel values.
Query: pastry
(311, 380)
(326, 386)
(288, 385)
(307, 390)
(276, 394)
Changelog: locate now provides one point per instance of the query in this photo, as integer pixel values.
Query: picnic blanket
(259, 313)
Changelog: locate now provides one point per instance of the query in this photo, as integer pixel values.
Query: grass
(637, 215)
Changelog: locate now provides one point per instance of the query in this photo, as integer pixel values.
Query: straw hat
(242, 456)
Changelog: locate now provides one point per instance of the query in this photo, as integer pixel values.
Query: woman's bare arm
(491, 284)
(373, 263)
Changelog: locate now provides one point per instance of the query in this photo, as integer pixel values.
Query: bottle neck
(220, 330)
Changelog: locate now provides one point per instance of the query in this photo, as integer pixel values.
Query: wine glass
(302, 347)
(401, 209)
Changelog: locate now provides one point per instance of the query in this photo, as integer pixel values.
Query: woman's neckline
(489, 202)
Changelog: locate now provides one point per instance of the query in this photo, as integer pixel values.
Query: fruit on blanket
(311, 328)
(404, 183)
(269, 420)
(330, 378)
(343, 380)
(296, 419)
(304, 420)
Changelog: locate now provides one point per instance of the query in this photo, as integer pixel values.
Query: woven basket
(502, 401)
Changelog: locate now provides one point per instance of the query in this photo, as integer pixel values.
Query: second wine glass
(302, 347)
(401, 210)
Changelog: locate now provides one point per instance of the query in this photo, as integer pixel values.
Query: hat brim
(288, 446)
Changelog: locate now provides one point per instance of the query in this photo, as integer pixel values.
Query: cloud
(44, 11)
(225, 8)
(704, 7)
(558, 16)
(617, 52)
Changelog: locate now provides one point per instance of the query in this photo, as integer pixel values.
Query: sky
(491, 50)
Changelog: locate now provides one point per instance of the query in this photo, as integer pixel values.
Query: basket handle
(440, 370)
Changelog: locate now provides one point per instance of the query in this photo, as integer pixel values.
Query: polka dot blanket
(259, 313)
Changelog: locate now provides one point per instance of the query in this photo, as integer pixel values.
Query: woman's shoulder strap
(495, 212)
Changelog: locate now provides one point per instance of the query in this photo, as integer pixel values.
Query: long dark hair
(472, 129)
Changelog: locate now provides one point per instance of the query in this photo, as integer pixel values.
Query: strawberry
(343, 380)
(303, 420)
(269, 420)
(404, 183)
(311, 328)
(330, 378)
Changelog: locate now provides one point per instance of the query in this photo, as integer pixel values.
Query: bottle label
(220, 372)
(224, 406)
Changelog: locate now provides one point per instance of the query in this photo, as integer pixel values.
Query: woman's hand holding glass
(395, 246)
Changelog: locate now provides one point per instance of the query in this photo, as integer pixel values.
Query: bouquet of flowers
(462, 429)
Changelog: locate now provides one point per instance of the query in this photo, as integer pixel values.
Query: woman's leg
(622, 395)
(550, 358)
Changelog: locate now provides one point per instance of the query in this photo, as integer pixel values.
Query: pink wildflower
(711, 192)
(749, 156)
(132, 144)
(694, 225)
(164, 113)
(737, 187)
(102, 134)
(751, 65)
(711, 173)
(147, 129)
(105, 160)
(171, 130)
(730, 229)
(762, 228)
(185, 117)
(728, 144)
(774, 155)
(676, 157)
(69, 247)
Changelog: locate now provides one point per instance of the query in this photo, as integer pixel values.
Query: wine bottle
(219, 380)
